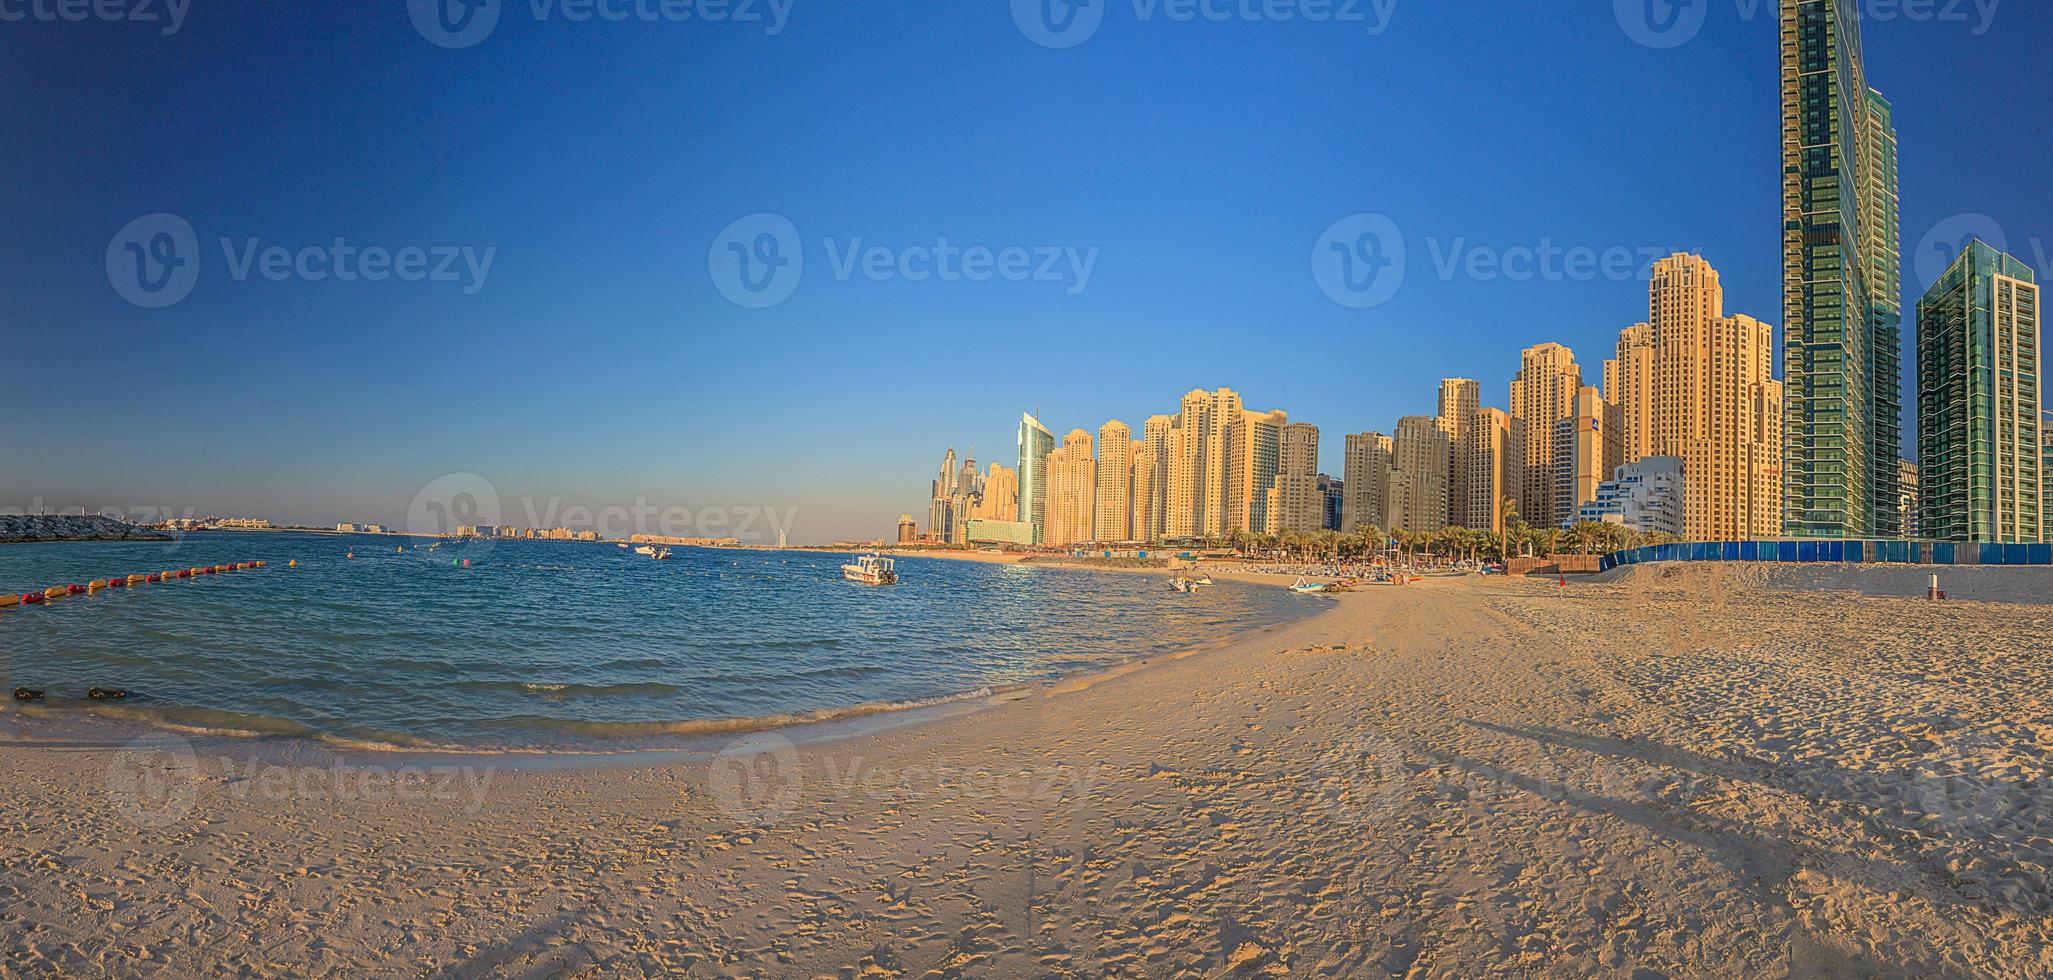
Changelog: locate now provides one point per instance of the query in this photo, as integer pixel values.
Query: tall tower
(1035, 443)
(1980, 398)
(1840, 255)
(1460, 401)
(1296, 503)
(1366, 480)
(1252, 457)
(1542, 394)
(1072, 491)
(1629, 384)
(1418, 475)
(1156, 433)
(1114, 521)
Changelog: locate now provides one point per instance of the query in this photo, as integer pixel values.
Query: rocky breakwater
(17, 529)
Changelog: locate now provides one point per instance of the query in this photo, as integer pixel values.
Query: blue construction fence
(1841, 552)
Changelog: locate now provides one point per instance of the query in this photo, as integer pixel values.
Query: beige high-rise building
(1366, 478)
(1000, 500)
(1710, 399)
(1296, 502)
(1418, 475)
(1587, 451)
(1629, 384)
(1195, 503)
(1072, 491)
(1156, 433)
(1114, 505)
(1253, 452)
(1542, 395)
(1145, 508)
(1495, 464)
(1460, 400)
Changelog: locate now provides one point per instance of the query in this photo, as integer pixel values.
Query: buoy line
(56, 592)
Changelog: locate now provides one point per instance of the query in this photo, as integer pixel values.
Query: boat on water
(872, 570)
(646, 551)
(1305, 586)
(662, 554)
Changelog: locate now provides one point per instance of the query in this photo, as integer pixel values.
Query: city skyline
(600, 365)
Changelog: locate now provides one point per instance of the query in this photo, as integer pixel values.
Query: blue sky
(602, 164)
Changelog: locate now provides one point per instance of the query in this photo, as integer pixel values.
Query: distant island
(73, 527)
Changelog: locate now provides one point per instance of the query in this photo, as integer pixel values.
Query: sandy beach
(1709, 771)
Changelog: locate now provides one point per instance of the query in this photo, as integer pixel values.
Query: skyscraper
(1146, 496)
(1629, 384)
(1035, 443)
(1542, 394)
(940, 512)
(1418, 475)
(1156, 432)
(1000, 499)
(1196, 480)
(1072, 492)
(1495, 458)
(1367, 478)
(1980, 449)
(1253, 452)
(1841, 256)
(1114, 520)
(1587, 451)
(1460, 400)
(1295, 503)
(1714, 404)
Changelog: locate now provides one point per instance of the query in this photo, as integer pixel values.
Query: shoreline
(1467, 776)
(112, 726)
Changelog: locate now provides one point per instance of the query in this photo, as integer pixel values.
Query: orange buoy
(292, 563)
(260, 564)
(8, 601)
(54, 592)
(137, 579)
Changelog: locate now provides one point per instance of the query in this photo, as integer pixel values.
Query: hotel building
(1697, 384)
(1000, 499)
(1194, 504)
(1980, 449)
(1644, 496)
(1841, 262)
(1072, 492)
(1366, 475)
(1254, 446)
(1542, 395)
(1495, 469)
(1587, 450)
(1296, 502)
(1114, 520)
(1418, 475)
(1146, 504)
(1460, 400)
(1035, 443)
(1156, 434)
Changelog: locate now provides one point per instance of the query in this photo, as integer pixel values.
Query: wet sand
(1669, 771)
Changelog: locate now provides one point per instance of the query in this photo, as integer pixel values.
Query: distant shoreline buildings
(1690, 433)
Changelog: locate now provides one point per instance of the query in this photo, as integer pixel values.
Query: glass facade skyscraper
(1841, 269)
(1035, 443)
(1980, 448)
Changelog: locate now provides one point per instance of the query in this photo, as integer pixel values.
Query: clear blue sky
(601, 363)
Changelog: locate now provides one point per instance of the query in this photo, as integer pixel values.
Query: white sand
(1671, 773)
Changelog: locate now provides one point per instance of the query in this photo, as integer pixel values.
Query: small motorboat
(1181, 584)
(662, 554)
(646, 551)
(872, 570)
(1305, 586)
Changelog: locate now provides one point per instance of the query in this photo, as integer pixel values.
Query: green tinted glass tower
(1980, 399)
(1035, 443)
(1841, 261)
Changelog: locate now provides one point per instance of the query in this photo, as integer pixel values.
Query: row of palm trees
(1368, 541)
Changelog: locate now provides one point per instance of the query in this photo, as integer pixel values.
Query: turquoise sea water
(562, 645)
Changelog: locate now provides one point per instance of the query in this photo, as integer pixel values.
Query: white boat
(872, 570)
(621, 544)
(646, 551)
(662, 554)
(1182, 584)
(1308, 587)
